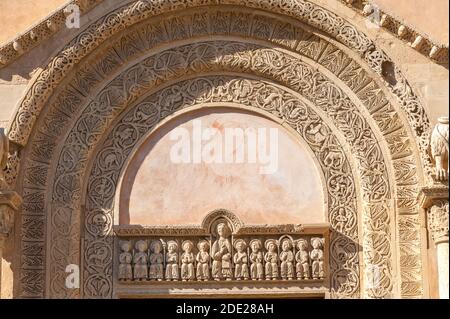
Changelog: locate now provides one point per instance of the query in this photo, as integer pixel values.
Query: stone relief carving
(125, 259)
(256, 258)
(156, 270)
(4, 152)
(221, 253)
(203, 260)
(172, 261)
(231, 87)
(287, 259)
(317, 258)
(279, 255)
(241, 260)
(438, 220)
(187, 261)
(302, 259)
(309, 50)
(439, 149)
(140, 261)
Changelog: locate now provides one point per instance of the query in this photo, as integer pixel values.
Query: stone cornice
(40, 32)
(430, 194)
(416, 39)
(49, 26)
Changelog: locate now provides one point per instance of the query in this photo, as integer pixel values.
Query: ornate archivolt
(140, 119)
(67, 105)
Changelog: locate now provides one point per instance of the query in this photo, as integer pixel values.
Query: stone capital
(434, 200)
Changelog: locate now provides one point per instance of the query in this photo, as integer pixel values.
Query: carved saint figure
(302, 258)
(240, 260)
(256, 259)
(156, 261)
(271, 259)
(140, 261)
(439, 148)
(187, 261)
(316, 256)
(203, 260)
(125, 259)
(172, 261)
(221, 254)
(4, 150)
(287, 260)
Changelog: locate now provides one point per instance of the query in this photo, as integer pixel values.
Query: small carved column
(434, 199)
(435, 202)
(10, 202)
(438, 227)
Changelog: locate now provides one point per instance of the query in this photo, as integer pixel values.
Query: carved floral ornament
(83, 123)
(222, 250)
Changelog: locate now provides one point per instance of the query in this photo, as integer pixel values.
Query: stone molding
(419, 41)
(40, 32)
(49, 26)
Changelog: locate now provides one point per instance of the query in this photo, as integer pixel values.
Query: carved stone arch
(36, 177)
(344, 240)
(375, 207)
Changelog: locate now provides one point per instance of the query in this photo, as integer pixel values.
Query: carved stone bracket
(434, 200)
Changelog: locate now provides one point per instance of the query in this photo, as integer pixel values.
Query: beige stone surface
(10, 95)
(18, 15)
(430, 17)
(157, 191)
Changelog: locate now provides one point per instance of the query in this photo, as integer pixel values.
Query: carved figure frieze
(234, 255)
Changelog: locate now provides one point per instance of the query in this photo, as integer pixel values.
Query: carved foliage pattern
(284, 34)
